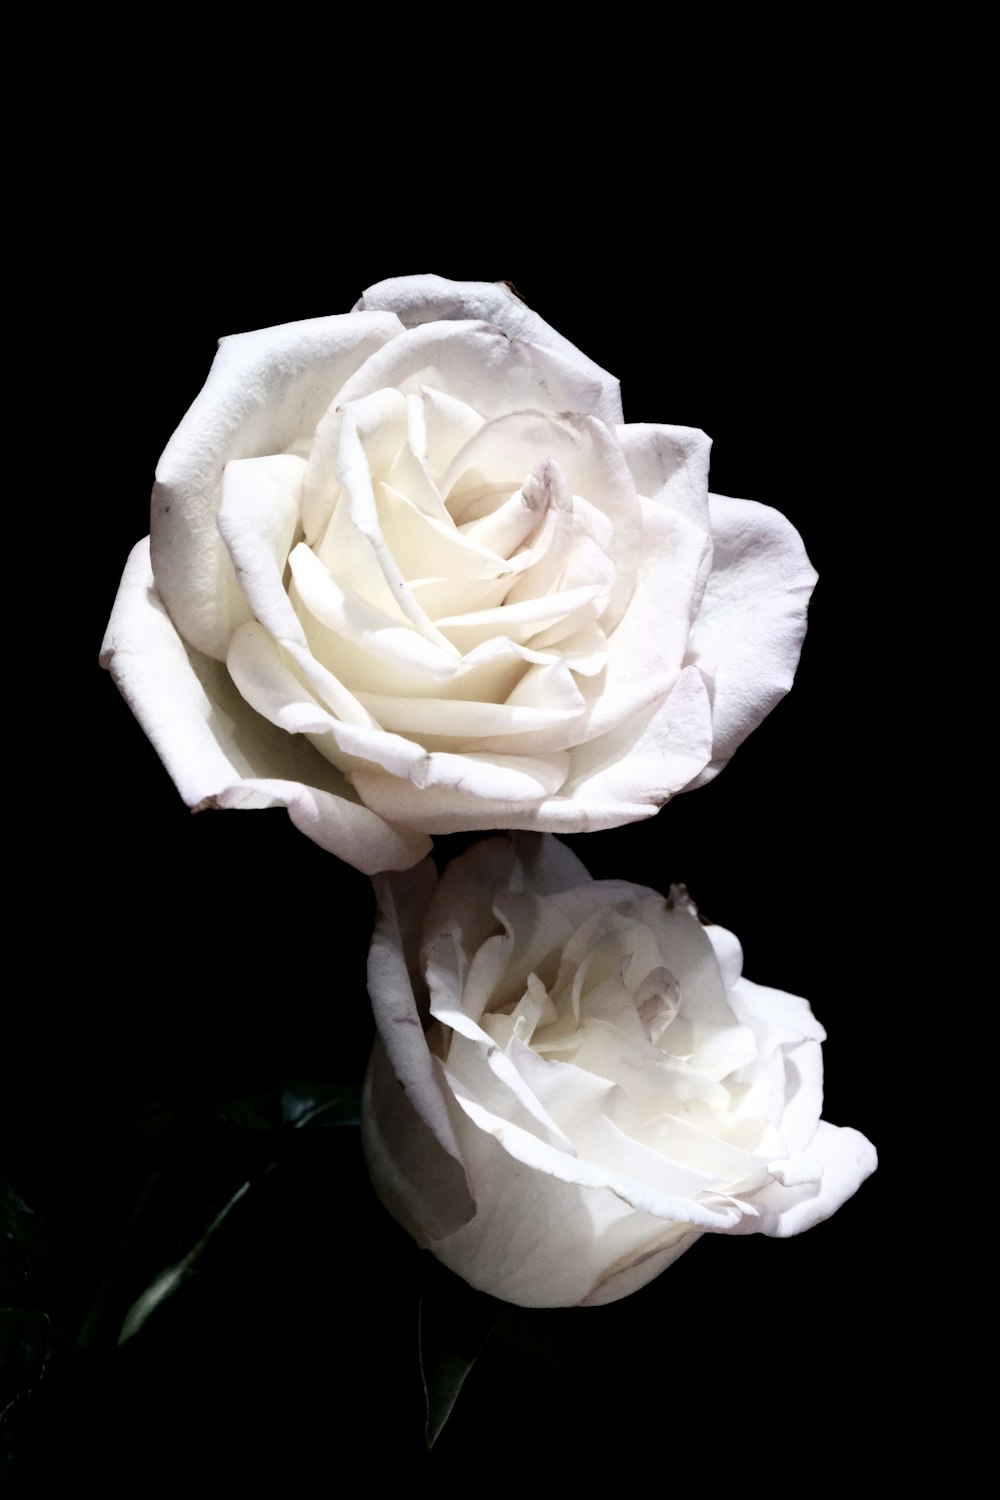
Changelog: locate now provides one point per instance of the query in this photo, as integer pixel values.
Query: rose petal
(258, 519)
(436, 810)
(507, 727)
(267, 681)
(847, 1158)
(424, 546)
(458, 596)
(728, 950)
(462, 904)
(646, 653)
(585, 452)
(669, 466)
(801, 1095)
(700, 1148)
(358, 622)
(637, 767)
(423, 299)
(544, 621)
(448, 424)
(409, 1136)
(538, 1241)
(338, 822)
(507, 527)
(625, 1280)
(775, 1015)
(491, 1077)
(262, 670)
(482, 366)
(360, 421)
(548, 866)
(264, 394)
(524, 1147)
(218, 751)
(465, 784)
(749, 633)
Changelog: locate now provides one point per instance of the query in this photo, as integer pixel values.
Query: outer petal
(640, 1272)
(749, 633)
(647, 651)
(548, 866)
(218, 751)
(644, 762)
(847, 1158)
(265, 394)
(407, 1131)
(427, 299)
(540, 1240)
(480, 364)
(620, 778)
(669, 465)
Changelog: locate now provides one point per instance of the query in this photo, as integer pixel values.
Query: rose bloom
(409, 573)
(572, 1080)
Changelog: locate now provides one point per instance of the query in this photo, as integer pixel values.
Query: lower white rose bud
(572, 1080)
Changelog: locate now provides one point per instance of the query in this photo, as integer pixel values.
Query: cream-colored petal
(219, 752)
(462, 789)
(586, 456)
(448, 424)
(262, 671)
(421, 299)
(639, 1272)
(338, 822)
(749, 632)
(264, 394)
(354, 619)
(483, 367)
(407, 1131)
(540, 622)
(637, 767)
(646, 653)
(846, 1157)
(360, 423)
(669, 466)
(258, 520)
(479, 726)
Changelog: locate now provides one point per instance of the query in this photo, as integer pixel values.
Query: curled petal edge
(748, 636)
(218, 751)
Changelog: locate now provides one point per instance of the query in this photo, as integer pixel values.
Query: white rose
(572, 1080)
(409, 574)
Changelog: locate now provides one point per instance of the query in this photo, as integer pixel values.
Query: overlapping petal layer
(423, 544)
(594, 1082)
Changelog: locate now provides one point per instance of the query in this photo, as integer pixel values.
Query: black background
(191, 959)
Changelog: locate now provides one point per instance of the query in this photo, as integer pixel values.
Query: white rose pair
(409, 573)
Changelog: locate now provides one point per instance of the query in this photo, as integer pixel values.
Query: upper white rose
(410, 574)
(572, 1081)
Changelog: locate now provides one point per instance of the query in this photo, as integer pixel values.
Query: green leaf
(254, 1112)
(168, 1281)
(24, 1248)
(320, 1104)
(453, 1324)
(30, 1346)
(27, 1344)
(294, 1102)
(267, 1118)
